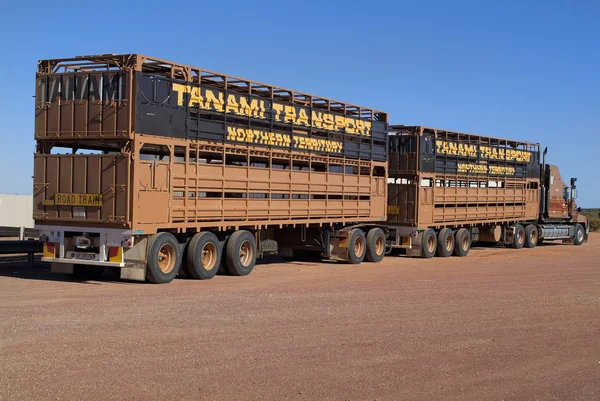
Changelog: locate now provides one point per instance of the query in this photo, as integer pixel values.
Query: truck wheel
(88, 272)
(579, 234)
(519, 237)
(445, 245)
(531, 236)
(462, 242)
(241, 253)
(429, 243)
(375, 245)
(204, 256)
(164, 258)
(357, 246)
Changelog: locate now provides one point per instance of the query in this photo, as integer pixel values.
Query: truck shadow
(17, 267)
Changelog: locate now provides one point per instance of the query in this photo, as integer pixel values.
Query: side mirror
(574, 194)
(573, 180)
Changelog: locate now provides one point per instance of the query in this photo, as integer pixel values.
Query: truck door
(153, 173)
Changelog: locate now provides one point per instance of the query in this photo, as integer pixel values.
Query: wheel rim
(580, 235)
(449, 242)
(209, 256)
(533, 236)
(246, 253)
(359, 246)
(465, 242)
(431, 243)
(520, 236)
(379, 245)
(166, 258)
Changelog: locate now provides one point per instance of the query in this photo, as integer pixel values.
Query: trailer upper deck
(93, 100)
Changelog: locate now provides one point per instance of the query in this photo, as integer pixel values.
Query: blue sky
(513, 69)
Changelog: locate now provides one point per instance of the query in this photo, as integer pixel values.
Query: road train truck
(447, 190)
(156, 169)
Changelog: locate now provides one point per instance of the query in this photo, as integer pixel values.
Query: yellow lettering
(278, 109)
(302, 117)
(317, 119)
(255, 109)
(290, 114)
(340, 123)
(216, 101)
(232, 105)
(231, 133)
(328, 122)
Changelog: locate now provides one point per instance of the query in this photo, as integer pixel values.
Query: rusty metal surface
(288, 158)
(82, 174)
(428, 189)
(229, 186)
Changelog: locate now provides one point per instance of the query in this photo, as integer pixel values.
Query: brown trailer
(448, 189)
(157, 169)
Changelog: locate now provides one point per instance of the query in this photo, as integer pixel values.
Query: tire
(428, 243)
(88, 272)
(519, 237)
(445, 246)
(375, 245)
(203, 256)
(357, 246)
(163, 259)
(241, 253)
(579, 234)
(531, 236)
(462, 242)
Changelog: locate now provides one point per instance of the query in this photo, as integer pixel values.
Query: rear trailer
(157, 169)
(447, 190)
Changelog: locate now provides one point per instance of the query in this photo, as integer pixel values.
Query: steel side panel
(82, 174)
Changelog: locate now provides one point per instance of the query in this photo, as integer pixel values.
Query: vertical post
(21, 233)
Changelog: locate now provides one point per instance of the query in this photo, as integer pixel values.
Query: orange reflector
(405, 241)
(115, 254)
(49, 250)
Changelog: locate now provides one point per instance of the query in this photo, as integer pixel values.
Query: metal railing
(12, 247)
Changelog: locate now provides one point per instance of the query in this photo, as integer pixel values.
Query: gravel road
(501, 324)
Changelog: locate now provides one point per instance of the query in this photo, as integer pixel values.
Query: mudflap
(415, 250)
(135, 262)
(339, 247)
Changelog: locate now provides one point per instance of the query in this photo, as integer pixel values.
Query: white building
(16, 210)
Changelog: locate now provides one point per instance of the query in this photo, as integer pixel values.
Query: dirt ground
(501, 324)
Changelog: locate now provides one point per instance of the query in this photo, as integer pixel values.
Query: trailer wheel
(462, 242)
(357, 246)
(88, 272)
(204, 256)
(375, 245)
(579, 234)
(519, 237)
(445, 245)
(164, 258)
(241, 253)
(531, 236)
(429, 243)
